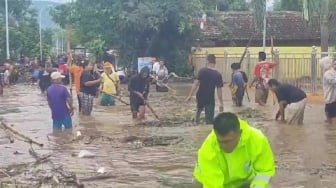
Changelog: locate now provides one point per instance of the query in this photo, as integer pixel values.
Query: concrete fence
(299, 69)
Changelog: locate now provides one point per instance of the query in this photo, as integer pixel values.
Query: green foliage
(225, 5)
(288, 5)
(157, 28)
(23, 31)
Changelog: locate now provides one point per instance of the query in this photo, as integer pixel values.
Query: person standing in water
(60, 103)
(262, 73)
(208, 79)
(329, 87)
(44, 79)
(139, 90)
(291, 99)
(76, 71)
(109, 86)
(238, 84)
(90, 81)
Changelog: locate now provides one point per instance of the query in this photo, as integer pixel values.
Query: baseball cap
(56, 75)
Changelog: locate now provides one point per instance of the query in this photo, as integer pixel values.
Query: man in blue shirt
(238, 84)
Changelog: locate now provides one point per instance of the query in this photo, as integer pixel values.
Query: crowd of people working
(234, 154)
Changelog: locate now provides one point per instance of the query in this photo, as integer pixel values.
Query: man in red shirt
(262, 73)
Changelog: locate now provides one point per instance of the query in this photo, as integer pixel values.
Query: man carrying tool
(234, 155)
(139, 89)
(109, 86)
(208, 79)
(290, 98)
(238, 84)
(262, 73)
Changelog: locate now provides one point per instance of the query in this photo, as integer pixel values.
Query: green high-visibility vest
(251, 162)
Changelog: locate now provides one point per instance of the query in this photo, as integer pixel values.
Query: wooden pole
(69, 62)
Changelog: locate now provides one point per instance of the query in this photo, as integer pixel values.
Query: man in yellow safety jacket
(234, 155)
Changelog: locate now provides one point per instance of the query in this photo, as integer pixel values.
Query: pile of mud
(131, 141)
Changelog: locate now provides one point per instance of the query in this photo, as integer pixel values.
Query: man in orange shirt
(76, 72)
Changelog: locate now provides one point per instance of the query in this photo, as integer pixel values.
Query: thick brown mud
(150, 153)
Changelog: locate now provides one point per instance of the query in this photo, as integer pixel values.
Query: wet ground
(151, 153)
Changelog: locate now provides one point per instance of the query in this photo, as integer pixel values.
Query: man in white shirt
(156, 67)
(329, 88)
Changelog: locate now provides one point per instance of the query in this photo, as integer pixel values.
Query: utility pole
(264, 30)
(324, 27)
(7, 33)
(41, 35)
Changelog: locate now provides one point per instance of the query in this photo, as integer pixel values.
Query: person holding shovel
(238, 84)
(110, 84)
(139, 89)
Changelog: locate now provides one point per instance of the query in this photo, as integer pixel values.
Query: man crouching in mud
(234, 155)
(139, 89)
(290, 98)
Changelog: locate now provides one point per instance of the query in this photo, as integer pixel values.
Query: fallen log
(15, 132)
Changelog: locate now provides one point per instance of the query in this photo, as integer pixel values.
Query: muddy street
(152, 153)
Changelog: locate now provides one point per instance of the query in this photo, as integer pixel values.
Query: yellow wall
(255, 50)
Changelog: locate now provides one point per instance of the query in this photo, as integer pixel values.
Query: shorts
(67, 122)
(86, 103)
(330, 110)
(295, 112)
(135, 105)
(107, 100)
(261, 95)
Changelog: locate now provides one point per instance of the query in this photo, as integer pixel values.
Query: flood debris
(86, 154)
(20, 136)
(153, 140)
(251, 113)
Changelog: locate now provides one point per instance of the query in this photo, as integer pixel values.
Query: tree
(23, 30)
(225, 5)
(157, 28)
(289, 5)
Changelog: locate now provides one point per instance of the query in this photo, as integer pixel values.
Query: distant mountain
(45, 7)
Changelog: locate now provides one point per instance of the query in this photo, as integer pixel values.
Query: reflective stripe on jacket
(252, 161)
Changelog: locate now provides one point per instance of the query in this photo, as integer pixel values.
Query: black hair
(144, 70)
(235, 66)
(273, 82)
(211, 58)
(226, 122)
(262, 56)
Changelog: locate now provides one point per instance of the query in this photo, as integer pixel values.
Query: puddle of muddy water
(153, 153)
